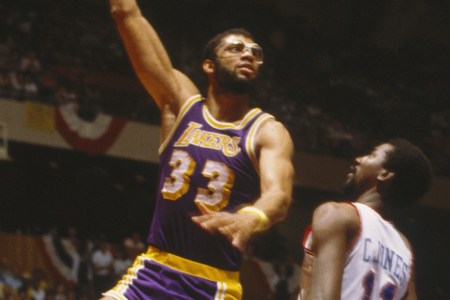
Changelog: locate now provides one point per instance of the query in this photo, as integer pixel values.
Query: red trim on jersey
(306, 238)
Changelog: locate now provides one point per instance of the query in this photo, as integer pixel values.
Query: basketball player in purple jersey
(226, 169)
(352, 250)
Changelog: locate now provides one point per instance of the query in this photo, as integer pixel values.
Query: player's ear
(385, 175)
(208, 66)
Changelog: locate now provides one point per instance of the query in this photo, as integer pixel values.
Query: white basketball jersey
(379, 264)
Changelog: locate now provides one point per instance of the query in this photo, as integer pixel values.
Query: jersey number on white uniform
(387, 292)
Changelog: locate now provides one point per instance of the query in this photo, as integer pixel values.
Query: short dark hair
(209, 51)
(413, 172)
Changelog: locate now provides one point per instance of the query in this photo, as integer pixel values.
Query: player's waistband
(189, 266)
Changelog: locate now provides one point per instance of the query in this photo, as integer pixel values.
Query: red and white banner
(57, 257)
(93, 137)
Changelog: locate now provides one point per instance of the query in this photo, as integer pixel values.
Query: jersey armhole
(183, 110)
(250, 143)
(307, 241)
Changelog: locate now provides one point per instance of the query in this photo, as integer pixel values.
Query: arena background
(341, 75)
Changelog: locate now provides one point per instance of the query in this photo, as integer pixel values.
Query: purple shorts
(158, 275)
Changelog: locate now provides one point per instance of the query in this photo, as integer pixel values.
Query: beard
(230, 82)
(349, 185)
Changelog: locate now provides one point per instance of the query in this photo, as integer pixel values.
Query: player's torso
(379, 263)
(206, 161)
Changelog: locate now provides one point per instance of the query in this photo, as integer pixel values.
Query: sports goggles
(238, 47)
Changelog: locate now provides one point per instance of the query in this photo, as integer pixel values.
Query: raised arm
(275, 149)
(167, 86)
(333, 227)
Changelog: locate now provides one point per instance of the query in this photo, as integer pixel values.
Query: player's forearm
(146, 51)
(140, 38)
(276, 186)
(276, 171)
(275, 205)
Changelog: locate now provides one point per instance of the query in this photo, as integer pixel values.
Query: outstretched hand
(238, 228)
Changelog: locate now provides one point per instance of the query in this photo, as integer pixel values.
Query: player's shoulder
(335, 207)
(272, 124)
(336, 215)
(272, 130)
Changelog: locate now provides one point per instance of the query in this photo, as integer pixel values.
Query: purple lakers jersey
(204, 161)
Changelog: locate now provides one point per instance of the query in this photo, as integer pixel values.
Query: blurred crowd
(101, 261)
(335, 96)
(98, 265)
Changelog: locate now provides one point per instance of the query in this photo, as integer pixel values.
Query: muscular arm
(276, 171)
(334, 226)
(167, 86)
(275, 149)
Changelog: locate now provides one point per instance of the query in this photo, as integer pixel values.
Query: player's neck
(228, 107)
(372, 199)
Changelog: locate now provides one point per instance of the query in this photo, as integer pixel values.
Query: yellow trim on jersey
(250, 143)
(181, 113)
(226, 125)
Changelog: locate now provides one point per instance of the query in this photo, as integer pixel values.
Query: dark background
(379, 68)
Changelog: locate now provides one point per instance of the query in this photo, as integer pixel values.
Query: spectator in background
(121, 262)
(16, 80)
(255, 275)
(10, 275)
(279, 282)
(103, 267)
(30, 64)
(85, 272)
(133, 245)
(72, 236)
(37, 285)
(64, 95)
(285, 279)
(30, 88)
(60, 291)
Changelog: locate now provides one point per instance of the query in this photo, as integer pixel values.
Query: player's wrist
(263, 220)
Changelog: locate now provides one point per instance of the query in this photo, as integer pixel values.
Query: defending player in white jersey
(352, 250)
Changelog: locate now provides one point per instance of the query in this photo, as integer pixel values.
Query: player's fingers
(227, 231)
(239, 243)
(209, 223)
(201, 218)
(203, 208)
